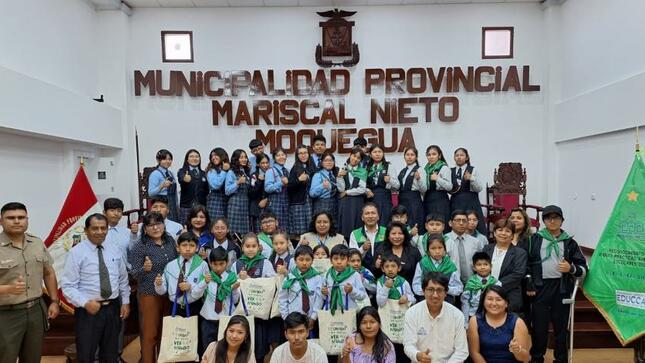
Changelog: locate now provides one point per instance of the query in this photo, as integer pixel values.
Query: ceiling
(269, 3)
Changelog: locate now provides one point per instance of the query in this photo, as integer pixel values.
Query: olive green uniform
(23, 318)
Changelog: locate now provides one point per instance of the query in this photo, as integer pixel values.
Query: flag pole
(638, 148)
(139, 175)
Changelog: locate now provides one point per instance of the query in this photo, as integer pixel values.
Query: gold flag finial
(82, 160)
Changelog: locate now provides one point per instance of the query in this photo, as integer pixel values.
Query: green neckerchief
(295, 275)
(249, 263)
(194, 264)
(361, 236)
(474, 283)
(375, 169)
(395, 292)
(224, 288)
(429, 169)
(336, 298)
(446, 266)
(358, 172)
(367, 274)
(553, 242)
(265, 238)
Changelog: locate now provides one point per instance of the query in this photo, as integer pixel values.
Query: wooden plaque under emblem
(337, 48)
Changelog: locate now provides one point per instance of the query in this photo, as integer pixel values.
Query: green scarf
(295, 275)
(446, 266)
(249, 263)
(375, 170)
(474, 283)
(360, 173)
(395, 292)
(224, 288)
(553, 242)
(429, 169)
(361, 237)
(336, 298)
(265, 238)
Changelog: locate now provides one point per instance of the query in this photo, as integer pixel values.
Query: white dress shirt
(444, 335)
(471, 245)
(80, 281)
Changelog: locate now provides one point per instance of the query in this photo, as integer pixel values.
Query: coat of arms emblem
(337, 48)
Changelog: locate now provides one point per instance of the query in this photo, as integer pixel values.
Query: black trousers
(98, 331)
(547, 307)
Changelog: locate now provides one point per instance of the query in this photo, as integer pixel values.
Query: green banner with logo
(615, 283)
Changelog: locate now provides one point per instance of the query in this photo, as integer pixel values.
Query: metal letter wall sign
(337, 40)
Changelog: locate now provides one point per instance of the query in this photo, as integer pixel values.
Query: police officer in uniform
(25, 264)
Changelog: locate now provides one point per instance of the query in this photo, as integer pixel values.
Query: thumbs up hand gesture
(514, 346)
(19, 286)
(414, 231)
(564, 266)
(424, 357)
(158, 280)
(147, 264)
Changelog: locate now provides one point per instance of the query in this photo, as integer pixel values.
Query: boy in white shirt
(181, 277)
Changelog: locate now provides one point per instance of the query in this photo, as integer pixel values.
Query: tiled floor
(131, 355)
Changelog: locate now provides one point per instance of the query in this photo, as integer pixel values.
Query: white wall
(54, 61)
(596, 97)
(494, 127)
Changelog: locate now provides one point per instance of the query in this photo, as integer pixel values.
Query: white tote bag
(179, 337)
(393, 319)
(275, 308)
(335, 328)
(259, 294)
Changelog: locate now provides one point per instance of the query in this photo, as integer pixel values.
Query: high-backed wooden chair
(508, 192)
(137, 214)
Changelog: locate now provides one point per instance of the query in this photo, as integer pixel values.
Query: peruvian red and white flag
(70, 224)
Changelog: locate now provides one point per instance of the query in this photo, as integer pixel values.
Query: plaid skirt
(216, 204)
(349, 214)
(238, 212)
(383, 200)
(329, 205)
(173, 213)
(279, 205)
(183, 215)
(299, 217)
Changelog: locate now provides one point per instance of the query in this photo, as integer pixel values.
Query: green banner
(616, 280)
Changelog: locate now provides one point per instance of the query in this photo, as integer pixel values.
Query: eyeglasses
(552, 217)
(431, 291)
(460, 220)
(268, 221)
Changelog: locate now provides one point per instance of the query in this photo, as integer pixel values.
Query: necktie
(484, 281)
(279, 262)
(459, 173)
(332, 191)
(181, 278)
(305, 301)
(104, 276)
(218, 304)
(463, 263)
